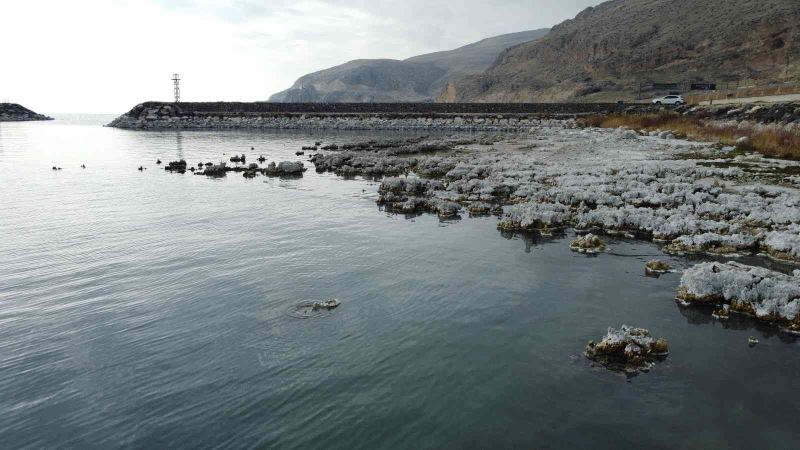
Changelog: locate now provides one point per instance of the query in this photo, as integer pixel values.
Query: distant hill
(417, 79)
(605, 52)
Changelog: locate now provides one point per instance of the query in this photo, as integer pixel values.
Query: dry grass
(770, 141)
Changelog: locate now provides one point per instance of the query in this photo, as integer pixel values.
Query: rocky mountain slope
(608, 50)
(12, 112)
(417, 79)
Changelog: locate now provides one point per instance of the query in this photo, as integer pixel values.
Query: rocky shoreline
(12, 112)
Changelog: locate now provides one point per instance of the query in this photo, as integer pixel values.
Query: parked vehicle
(669, 100)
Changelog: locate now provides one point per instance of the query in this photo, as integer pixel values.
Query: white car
(669, 100)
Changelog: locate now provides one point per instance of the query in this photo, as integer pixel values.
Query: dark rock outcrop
(12, 112)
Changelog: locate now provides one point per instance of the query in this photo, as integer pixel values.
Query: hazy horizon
(98, 56)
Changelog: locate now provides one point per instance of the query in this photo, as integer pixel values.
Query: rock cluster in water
(601, 181)
(691, 208)
(687, 196)
(628, 349)
(283, 168)
(766, 295)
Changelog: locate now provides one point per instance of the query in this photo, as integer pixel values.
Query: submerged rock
(216, 170)
(176, 166)
(628, 350)
(589, 244)
(285, 168)
(238, 158)
(766, 295)
(326, 305)
(656, 267)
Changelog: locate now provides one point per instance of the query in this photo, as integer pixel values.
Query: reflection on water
(148, 309)
(531, 238)
(179, 146)
(703, 315)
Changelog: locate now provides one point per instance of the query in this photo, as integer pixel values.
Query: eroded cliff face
(618, 44)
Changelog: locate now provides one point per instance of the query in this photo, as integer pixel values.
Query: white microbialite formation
(764, 294)
(692, 197)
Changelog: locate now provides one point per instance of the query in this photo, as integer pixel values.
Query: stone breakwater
(349, 116)
(484, 117)
(12, 112)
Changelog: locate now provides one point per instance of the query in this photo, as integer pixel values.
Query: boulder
(589, 244)
(628, 349)
(656, 267)
(285, 168)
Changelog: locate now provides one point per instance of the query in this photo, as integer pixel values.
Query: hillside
(608, 50)
(417, 79)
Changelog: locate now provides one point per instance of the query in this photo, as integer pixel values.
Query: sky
(106, 56)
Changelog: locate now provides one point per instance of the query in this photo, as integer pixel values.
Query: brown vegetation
(771, 141)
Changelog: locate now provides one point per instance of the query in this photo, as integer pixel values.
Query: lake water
(152, 310)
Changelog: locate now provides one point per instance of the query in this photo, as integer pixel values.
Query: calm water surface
(149, 310)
